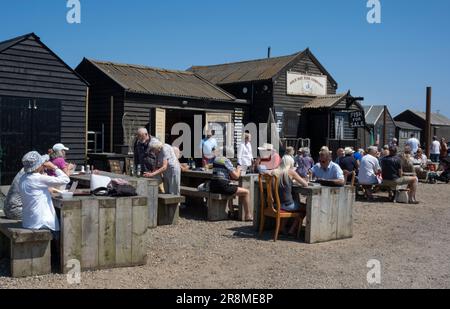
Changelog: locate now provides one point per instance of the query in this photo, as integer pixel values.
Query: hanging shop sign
(357, 119)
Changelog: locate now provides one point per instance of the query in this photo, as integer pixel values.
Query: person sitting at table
(303, 162)
(58, 158)
(340, 154)
(223, 173)
(13, 202)
(407, 161)
(348, 164)
(368, 171)
(286, 175)
(392, 172)
(445, 175)
(167, 166)
(420, 162)
(269, 158)
(38, 211)
(326, 169)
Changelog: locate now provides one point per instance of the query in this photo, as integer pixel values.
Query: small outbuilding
(42, 102)
(380, 125)
(440, 124)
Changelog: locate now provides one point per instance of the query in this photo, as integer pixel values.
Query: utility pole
(428, 123)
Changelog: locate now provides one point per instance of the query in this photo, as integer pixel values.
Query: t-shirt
(390, 166)
(222, 168)
(413, 143)
(167, 153)
(333, 171)
(304, 164)
(368, 170)
(38, 211)
(208, 147)
(60, 163)
(348, 163)
(357, 156)
(435, 148)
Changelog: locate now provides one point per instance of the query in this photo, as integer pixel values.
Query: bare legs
(244, 195)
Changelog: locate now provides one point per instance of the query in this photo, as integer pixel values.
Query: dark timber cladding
(264, 83)
(274, 83)
(42, 101)
(138, 90)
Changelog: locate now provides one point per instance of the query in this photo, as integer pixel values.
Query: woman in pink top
(57, 157)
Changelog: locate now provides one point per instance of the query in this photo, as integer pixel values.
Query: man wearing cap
(58, 158)
(269, 159)
(38, 211)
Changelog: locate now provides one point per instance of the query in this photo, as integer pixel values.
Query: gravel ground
(412, 242)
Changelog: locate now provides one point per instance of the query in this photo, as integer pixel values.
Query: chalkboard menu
(357, 119)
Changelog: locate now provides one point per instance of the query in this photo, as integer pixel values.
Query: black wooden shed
(286, 85)
(124, 97)
(42, 102)
(440, 124)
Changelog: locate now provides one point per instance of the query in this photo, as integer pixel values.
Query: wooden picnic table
(329, 212)
(144, 186)
(102, 232)
(197, 177)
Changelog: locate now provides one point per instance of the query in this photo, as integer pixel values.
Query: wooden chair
(271, 205)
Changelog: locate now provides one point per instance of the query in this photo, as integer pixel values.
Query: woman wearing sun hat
(38, 211)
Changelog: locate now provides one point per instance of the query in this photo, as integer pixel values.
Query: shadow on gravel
(250, 233)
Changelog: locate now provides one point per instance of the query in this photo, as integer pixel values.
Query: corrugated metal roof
(436, 119)
(11, 42)
(245, 71)
(155, 81)
(406, 126)
(326, 101)
(373, 113)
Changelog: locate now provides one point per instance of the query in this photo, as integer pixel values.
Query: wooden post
(384, 126)
(428, 123)
(111, 127)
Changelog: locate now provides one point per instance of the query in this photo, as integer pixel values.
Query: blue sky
(390, 63)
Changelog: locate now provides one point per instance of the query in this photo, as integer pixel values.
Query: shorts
(290, 207)
(222, 186)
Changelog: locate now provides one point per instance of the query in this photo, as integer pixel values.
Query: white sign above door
(302, 84)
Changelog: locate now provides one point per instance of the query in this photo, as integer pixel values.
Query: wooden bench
(216, 203)
(28, 250)
(390, 187)
(168, 210)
